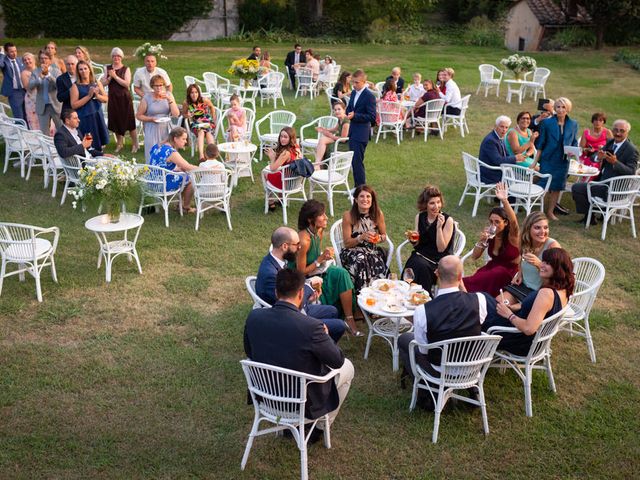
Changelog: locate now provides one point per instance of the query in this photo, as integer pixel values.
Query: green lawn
(140, 378)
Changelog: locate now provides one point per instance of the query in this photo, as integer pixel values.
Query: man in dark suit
(294, 57)
(548, 112)
(11, 67)
(361, 111)
(453, 313)
(494, 152)
(67, 139)
(65, 81)
(255, 54)
(286, 242)
(284, 337)
(395, 76)
(618, 157)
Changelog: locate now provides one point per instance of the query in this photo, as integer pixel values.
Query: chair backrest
(72, 166)
(337, 241)
(540, 75)
(471, 168)
(211, 185)
(390, 112)
(12, 134)
(304, 76)
(32, 140)
(326, 121)
(464, 360)
(189, 79)
(18, 240)
(250, 283)
(250, 115)
(464, 105)
(547, 330)
(291, 180)
(589, 274)
(433, 110)
(339, 166)
(154, 181)
(519, 179)
(623, 189)
(486, 72)
(210, 80)
(272, 80)
(459, 240)
(278, 119)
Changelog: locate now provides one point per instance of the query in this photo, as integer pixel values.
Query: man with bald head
(65, 81)
(286, 242)
(618, 157)
(453, 313)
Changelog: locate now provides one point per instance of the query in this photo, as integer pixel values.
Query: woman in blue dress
(556, 133)
(166, 155)
(87, 97)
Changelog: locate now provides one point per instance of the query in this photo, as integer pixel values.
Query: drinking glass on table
(408, 276)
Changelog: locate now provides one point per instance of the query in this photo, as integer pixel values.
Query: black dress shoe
(583, 220)
(560, 210)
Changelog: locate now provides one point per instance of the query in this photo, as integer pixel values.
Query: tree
(610, 14)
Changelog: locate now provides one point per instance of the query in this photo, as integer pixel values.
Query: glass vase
(113, 211)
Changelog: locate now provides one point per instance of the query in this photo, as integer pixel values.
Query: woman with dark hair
(285, 153)
(594, 139)
(343, 87)
(556, 271)
(167, 156)
(337, 287)
(363, 228)
(393, 110)
(202, 117)
(87, 98)
(430, 93)
(502, 239)
(520, 139)
(534, 241)
(432, 238)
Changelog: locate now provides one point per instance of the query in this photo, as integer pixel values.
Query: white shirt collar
(444, 291)
(282, 263)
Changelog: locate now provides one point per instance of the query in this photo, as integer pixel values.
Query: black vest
(452, 315)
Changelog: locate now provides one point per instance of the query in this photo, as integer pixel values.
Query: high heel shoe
(135, 148)
(119, 148)
(352, 332)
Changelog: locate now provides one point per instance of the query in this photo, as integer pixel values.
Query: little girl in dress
(237, 120)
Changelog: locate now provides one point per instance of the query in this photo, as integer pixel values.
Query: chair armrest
(412, 352)
(490, 167)
(54, 230)
(503, 330)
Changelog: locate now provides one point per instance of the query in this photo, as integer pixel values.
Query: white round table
(238, 158)
(515, 87)
(390, 324)
(110, 249)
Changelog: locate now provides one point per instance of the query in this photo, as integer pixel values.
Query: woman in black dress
(432, 238)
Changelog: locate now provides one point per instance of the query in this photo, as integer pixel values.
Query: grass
(140, 378)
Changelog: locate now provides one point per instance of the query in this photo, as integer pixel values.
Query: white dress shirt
(142, 78)
(452, 97)
(76, 136)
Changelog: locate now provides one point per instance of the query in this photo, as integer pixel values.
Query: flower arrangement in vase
(245, 69)
(148, 49)
(519, 65)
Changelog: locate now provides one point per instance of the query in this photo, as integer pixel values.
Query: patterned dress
(201, 120)
(158, 156)
(365, 261)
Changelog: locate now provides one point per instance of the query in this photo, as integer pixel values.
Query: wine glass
(491, 231)
(408, 276)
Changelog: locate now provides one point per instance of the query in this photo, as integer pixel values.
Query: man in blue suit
(65, 81)
(285, 242)
(11, 67)
(494, 152)
(362, 114)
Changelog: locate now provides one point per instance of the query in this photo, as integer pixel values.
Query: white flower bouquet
(148, 49)
(109, 182)
(519, 64)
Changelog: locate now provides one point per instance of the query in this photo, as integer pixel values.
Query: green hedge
(99, 18)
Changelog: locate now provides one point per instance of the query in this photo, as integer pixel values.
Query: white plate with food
(383, 285)
(393, 308)
(162, 120)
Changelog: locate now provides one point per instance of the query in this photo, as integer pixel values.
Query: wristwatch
(317, 264)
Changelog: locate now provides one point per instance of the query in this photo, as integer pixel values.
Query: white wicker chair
(212, 189)
(154, 187)
(459, 120)
(475, 186)
(392, 117)
(329, 179)
(523, 185)
(490, 77)
(224, 124)
(292, 188)
(279, 397)
(540, 351)
(201, 84)
(272, 88)
(71, 167)
(36, 155)
(464, 364)
(536, 85)
(459, 242)
(338, 243)
(278, 119)
(54, 167)
(250, 284)
(432, 114)
(15, 147)
(589, 275)
(25, 246)
(309, 143)
(621, 195)
(305, 83)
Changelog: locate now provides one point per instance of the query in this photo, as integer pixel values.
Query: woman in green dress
(520, 139)
(337, 286)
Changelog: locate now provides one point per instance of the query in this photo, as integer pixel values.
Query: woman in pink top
(593, 139)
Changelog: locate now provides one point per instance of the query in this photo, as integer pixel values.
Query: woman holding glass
(337, 287)
(363, 228)
(501, 241)
(87, 97)
(432, 238)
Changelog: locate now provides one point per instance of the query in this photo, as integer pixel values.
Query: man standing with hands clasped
(11, 67)
(618, 157)
(362, 114)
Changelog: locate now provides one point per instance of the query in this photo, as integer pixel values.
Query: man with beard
(286, 242)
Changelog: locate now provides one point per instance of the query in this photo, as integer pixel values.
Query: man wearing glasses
(618, 157)
(286, 242)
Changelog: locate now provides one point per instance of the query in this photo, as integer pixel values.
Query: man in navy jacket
(361, 112)
(494, 152)
(11, 67)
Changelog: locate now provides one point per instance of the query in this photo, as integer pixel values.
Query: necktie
(16, 74)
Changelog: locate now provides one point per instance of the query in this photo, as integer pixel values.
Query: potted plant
(245, 69)
(519, 65)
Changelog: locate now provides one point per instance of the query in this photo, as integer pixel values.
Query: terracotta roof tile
(549, 13)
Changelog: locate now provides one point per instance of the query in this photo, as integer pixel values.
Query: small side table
(110, 249)
(238, 158)
(515, 87)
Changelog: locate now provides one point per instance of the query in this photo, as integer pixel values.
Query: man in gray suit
(44, 80)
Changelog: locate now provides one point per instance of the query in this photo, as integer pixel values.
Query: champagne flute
(408, 276)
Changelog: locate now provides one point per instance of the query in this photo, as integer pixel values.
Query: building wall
(211, 25)
(522, 23)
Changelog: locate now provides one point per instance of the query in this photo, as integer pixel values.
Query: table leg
(394, 347)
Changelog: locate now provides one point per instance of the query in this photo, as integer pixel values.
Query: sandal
(352, 332)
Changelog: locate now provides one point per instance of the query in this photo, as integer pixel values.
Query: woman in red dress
(503, 244)
(285, 153)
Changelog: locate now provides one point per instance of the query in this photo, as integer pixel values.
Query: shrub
(631, 59)
(482, 32)
(256, 15)
(115, 19)
(570, 37)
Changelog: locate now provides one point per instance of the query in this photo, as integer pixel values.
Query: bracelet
(482, 245)
(511, 317)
